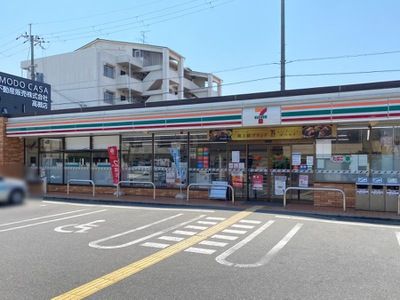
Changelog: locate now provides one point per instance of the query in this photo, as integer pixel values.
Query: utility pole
(283, 55)
(34, 40)
(143, 36)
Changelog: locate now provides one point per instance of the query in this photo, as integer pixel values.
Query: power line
(98, 26)
(129, 27)
(97, 14)
(343, 56)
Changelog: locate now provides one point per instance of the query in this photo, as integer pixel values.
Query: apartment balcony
(125, 60)
(125, 82)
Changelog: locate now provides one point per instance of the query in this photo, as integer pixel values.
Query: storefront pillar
(11, 153)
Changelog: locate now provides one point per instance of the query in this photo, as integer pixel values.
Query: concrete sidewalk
(296, 209)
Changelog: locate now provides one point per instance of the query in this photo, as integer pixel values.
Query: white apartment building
(105, 72)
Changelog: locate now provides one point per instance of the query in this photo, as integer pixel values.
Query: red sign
(113, 157)
(257, 181)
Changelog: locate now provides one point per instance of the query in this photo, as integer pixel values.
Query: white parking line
(43, 217)
(225, 237)
(155, 245)
(215, 218)
(171, 238)
(222, 258)
(242, 226)
(212, 243)
(249, 221)
(398, 237)
(196, 227)
(200, 250)
(53, 220)
(207, 222)
(184, 232)
(337, 222)
(234, 231)
(95, 244)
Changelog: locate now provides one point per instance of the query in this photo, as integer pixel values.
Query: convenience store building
(259, 143)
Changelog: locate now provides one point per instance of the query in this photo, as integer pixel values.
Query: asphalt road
(49, 249)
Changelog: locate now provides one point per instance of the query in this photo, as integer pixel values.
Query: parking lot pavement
(52, 249)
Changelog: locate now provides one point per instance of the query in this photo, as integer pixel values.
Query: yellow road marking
(102, 282)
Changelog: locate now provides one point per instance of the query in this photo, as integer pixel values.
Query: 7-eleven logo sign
(261, 114)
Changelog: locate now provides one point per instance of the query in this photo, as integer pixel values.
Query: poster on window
(237, 179)
(257, 182)
(303, 180)
(114, 161)
(296, 159)
(280, 185)
(170, 178)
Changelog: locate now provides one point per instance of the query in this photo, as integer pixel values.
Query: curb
(320, 215)
(139, 203)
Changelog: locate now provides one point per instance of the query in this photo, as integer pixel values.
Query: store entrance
(261, 172)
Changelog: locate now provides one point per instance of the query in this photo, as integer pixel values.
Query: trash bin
(392, 194)
(377, 195)
(391, 198)
(362, 193)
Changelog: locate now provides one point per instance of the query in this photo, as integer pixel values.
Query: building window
(123, 98)
(109, 71)
(39, 77)
(137, 53)
(109, 97)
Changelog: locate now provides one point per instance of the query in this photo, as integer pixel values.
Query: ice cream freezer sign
(261, 115)
(20, 95)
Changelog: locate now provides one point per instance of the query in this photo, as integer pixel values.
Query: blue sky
(216, 35)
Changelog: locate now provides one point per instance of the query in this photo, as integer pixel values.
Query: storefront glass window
(343, 159)
(31, 158)
(51, 144)
(101, 168)
(137, 153)
(166, 173)
(207, 159)
(51, 167)
(383, 162)
(77, 143)
(77, 166)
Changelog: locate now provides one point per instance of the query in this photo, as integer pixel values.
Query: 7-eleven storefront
(259, 143)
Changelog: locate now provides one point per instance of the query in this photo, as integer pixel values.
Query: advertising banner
(320, 131)
(270, 133)
(176, 156)
(114, 161)
(221, 135)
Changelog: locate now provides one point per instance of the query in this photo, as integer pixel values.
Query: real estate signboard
(20, 95)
